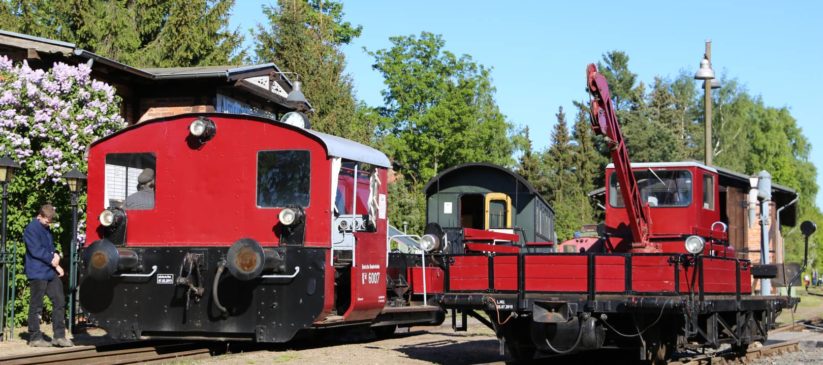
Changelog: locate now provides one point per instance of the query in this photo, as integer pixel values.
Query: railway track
(128, 353)
(728, 357)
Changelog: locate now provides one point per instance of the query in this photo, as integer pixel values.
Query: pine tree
(558, 159)
(529, 165)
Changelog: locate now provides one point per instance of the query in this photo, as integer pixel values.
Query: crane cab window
(130, 181)
(658, 188)
(283, 178)
(708, 192)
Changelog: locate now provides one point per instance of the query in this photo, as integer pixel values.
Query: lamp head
(296, 94)
(7, 167)
(75, 180)
(705, 72)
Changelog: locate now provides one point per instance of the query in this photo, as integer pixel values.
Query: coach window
(283, 178)
(130, 181)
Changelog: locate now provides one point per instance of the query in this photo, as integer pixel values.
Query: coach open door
(498, 211)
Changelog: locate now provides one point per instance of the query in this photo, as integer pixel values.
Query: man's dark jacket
(39, 251)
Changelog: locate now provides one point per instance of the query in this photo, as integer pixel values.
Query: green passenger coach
(481, 196)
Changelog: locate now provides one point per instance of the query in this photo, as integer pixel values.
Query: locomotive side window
(661, 188)
(130, 181)
(283, 178)
(708, 192)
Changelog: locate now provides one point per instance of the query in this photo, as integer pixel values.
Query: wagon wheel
(518, 340)
(658, 352)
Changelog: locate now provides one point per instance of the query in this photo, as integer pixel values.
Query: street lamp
(75, 180)
(7, 167)
(706, 74)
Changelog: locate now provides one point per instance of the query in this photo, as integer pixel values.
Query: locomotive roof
(335, 146)
(350, 150)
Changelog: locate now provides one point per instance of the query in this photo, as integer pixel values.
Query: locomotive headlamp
(429, 242)
(111, 217)
(695, 244)
(290, 216)
(203, 129)
(296, 119)
(287, 216)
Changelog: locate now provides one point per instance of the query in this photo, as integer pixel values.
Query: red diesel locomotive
(661, 276)
(220, 226)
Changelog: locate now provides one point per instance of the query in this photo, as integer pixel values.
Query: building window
(130, 181)
(283, 178)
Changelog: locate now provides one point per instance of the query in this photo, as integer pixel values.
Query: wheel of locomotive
(740, 349)
(384, 332)
(439, 318)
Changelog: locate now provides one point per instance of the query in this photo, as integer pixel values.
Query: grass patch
(810, 306)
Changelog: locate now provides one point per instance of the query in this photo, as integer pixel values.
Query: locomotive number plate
(166, 279)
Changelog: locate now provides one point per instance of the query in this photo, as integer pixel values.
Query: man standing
(43, 271)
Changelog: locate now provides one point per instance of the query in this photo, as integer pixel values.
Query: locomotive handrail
(153, 271)
(416, 240)
(279, 276)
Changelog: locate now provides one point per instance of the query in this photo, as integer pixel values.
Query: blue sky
(538, 50)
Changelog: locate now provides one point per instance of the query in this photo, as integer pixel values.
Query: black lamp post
(7, 167)
(75, 180)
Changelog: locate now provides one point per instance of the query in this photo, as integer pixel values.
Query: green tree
(439, 112)
(559, 159)
(615, 68)
(304, 37)
(529, 164)
(142, 33)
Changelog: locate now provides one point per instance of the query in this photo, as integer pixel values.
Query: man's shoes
(63, 342)
(39, 343)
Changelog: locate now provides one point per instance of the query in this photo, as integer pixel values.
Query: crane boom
(604, 122)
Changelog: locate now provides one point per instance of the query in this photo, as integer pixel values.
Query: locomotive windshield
(130, 181)
(661, 188)
(283, 178)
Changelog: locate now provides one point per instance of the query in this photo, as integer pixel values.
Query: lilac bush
(47, 121)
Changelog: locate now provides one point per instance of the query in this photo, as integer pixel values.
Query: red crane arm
(604, 122)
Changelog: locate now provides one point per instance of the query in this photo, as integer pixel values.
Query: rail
(729, 357)
(128, 353)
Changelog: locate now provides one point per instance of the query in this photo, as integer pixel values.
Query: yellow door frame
(499, 196)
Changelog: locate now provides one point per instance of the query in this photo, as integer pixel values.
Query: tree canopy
(439, 111)
(141, 33)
